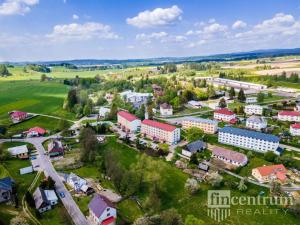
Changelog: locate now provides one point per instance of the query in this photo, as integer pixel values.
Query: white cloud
(156, 17)
(16, 7)
(239, 24)
(86, 31)
(75, 17)
(212, 20)
(147, 38)
(214, 28)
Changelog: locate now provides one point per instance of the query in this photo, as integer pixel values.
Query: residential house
(36, 132)
(250, 100)
(193, 147)
(75, 181)
(17, 116)
(253, 109)
(20, 152)
(194, 104)
(229, 156)
(109, 97)
(256, 123)
(44, 199)
(102, 211)
(55, 148)
(135, 98)
(158, 91)
(269, 173)
(207, 125)
(247, 139)
(225, 115)
(295, 129)
(128, 121)
(203, 166)
(6, 189)
(103, 112)
(160, 131)
(166, 109)
(292, 116)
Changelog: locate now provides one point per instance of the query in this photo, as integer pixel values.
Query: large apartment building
(253, 109)
(247, 139)
(128, 121)
(160, 131)
(292, 116)
(208, 126)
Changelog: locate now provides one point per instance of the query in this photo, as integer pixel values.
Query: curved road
(45, 164)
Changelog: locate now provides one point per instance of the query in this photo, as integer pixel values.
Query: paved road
(290, 147)
(46, 165)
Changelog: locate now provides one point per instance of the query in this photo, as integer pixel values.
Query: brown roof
(229, 154)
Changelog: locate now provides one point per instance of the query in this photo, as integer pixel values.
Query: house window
(108, 214)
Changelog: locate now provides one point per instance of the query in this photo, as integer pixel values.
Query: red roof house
(36, 131)
(289, 113)
(268, 173)
(226, 115)
(18, 115)
(224, 111)
(296, 126)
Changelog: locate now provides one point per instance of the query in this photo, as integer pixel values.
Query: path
(50, 116)
(289, 147)
(45, 164)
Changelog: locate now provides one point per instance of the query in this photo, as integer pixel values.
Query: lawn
(32, 96)
(174, 194)
(48, 123)
(253, 163)
(11, 168)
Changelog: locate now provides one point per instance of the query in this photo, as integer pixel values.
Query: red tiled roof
(296, 126)
(128, 116)
(17, 114)
(289, 113)
(224, 111)
(39, 130)
(108, 220)
(279, 170)
(159, 125)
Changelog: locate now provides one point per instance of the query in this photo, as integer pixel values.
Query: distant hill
(159, 61)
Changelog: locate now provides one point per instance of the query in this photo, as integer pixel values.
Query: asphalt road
(46, 165)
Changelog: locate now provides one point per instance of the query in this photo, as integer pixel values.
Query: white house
(102, 211)
(75, 181)
(166, 109)
(19, 151)
(44, 199)
(103, 111)
(252, 140)
(160, 131)
(292, 116)
(128, 121)
(256, 123)
(225, 115)
(253, 109)
(251, 100)
(136, 98)
(295, 129)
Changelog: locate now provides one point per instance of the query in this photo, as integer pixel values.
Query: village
(205, 140)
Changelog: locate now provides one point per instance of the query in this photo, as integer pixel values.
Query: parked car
(61, 194)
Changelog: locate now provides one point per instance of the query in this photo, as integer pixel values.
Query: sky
(43, 30)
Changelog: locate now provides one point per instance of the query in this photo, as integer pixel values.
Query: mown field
(32, 96)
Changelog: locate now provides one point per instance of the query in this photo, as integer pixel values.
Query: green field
(48, 123)
(32, 96)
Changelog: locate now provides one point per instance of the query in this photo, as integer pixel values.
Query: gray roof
(195, 146)
(40, 198)
(203, 166)
(251, 134)
(256, 119)
(202, 120)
